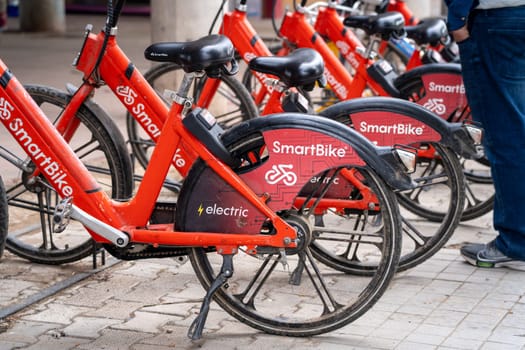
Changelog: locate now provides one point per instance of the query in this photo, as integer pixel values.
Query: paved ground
(441, 304)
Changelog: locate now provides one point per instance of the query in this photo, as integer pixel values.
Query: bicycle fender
(451, 68)
(91, 105)
(439, 88)
(330, 144)
(388, 121)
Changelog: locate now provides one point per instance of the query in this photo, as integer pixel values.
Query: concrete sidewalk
(443, 303)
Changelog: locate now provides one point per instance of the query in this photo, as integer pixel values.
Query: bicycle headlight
(407, 157)
(475, 132)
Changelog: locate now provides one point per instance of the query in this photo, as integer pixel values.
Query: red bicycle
(233, 203)
(438, 177)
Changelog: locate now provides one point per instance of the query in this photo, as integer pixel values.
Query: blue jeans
(493, 68)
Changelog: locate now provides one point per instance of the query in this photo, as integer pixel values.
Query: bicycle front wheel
(430, 212)
(100, 146)
(290, 293)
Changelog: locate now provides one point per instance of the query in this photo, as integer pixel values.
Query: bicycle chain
(149, 252)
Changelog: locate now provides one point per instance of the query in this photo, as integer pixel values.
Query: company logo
(281, 173)
(449, 89)
(5, 109)
(436, 105)
(158, 54)
(217, 210)
(349, 55)
(138, 110)
(316, 150)
(396, 129)
(128, 94)
(339, 88)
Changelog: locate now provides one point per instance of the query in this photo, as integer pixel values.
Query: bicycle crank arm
(110, 233)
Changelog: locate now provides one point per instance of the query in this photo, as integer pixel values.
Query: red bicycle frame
(297, 29)
(237, 28)
(68, 176)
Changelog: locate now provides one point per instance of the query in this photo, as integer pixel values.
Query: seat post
(181, 96)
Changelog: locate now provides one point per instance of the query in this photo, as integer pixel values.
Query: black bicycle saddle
(301, 68)
(385, 24)
(206, 53)
(429, 31)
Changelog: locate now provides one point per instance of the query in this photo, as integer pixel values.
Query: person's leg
(493, 64)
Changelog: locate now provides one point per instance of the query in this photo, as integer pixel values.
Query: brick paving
(443, 303)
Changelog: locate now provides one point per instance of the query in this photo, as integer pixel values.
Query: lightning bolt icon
(200, 210)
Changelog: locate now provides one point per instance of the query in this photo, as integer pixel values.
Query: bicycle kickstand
(197, 326)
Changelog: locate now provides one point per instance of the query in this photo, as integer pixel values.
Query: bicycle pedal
(62, 214)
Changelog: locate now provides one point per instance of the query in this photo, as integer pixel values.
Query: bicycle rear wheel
(99, 145)
(310, 298)
(231, 104)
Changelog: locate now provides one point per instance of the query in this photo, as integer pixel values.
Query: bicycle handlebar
(312, 9)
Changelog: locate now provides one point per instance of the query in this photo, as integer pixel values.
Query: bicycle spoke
(252, 289)
(428, 178)
(350, 252)
(412, 232)
(29, 205)
(310, 266)
(13, 159)
(145, 143)
(431, 180)
(471, 198)
(348, 245)
(12, 194)
(85, 148)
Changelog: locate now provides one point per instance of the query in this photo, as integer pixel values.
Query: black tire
(271, 304)
(168, 76)
(101, 147)
(4, 217)
(439, 197)
(479, 188)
